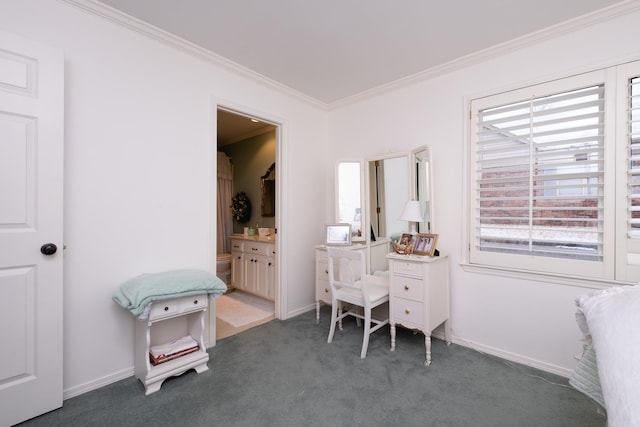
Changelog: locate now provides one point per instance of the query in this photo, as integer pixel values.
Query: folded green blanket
(137, 293)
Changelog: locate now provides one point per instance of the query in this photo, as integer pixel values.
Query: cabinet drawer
(407, 268)
(259, 249)
(408, 288)
(237, 245)
(408, 312)
(173, 307)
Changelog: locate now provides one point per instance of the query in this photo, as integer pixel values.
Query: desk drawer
(176, 306)
(408, 312)
(322, 271)
(323, 291)
(408, 288)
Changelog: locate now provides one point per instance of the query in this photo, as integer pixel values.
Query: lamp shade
(412, 212)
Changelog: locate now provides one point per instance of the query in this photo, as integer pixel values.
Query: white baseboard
(300, 311)
(513, 357)
(98, 383)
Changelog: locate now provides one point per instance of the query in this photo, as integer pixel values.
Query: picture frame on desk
(338, 234)
(404, 245)
(425, 244)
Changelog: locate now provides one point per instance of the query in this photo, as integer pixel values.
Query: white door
(31, 162)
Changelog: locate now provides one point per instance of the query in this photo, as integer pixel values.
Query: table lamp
(412, 213)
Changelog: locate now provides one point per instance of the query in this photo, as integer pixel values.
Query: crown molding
(548, 33)
(101, 10)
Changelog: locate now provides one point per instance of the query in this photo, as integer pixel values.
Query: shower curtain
(224, 226)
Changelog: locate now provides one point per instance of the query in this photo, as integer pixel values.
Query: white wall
(523, 320)
(138, 165)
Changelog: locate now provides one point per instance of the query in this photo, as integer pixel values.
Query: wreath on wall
(241, 207)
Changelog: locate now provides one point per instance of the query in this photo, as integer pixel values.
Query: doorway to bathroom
(246, 218)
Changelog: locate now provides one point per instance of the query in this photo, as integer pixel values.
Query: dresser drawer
(173, 307)
(407, 268)
(408, 288)
(408, 312)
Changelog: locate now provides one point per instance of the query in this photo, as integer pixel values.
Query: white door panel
(31, 184)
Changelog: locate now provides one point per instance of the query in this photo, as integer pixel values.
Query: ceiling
(331, 50)
(235, 127)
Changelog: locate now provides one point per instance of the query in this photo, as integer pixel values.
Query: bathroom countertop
(269, 238)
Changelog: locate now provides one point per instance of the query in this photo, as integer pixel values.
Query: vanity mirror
(268, 187)
(389, 191)
(371, 196)
(349, 197)
(422, 186)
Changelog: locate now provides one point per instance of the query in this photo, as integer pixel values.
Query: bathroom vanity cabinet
(254, 265)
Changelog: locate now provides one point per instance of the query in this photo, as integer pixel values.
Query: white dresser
(419, 296)
(170, 320)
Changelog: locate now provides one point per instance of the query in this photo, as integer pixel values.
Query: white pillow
(613, 317)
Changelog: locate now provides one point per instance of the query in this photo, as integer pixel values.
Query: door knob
(48, 249)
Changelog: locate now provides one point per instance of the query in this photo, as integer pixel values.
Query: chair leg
(367, 327)
(334, 318)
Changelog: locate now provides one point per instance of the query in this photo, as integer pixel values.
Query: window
(551, 167)
(634, 157)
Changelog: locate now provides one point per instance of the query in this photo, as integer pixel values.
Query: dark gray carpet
(285, 374)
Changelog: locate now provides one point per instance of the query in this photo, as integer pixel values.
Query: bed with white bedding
(609, 371)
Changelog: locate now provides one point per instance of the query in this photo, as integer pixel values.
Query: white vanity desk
(419, 296)
(370, 196)
(376, 261)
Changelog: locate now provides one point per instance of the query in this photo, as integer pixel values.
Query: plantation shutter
(634, 157)
(539, 176)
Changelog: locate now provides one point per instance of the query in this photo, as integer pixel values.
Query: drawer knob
(407, 311)
(326, 291)
(195, 301)
(406, 287)
(166, 308)
(326, 271)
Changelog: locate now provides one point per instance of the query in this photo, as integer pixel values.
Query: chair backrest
(346, 269)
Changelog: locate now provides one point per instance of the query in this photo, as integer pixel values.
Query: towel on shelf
(172, 347)
(138, 293)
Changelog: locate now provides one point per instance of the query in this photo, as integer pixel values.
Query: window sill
(539, 276)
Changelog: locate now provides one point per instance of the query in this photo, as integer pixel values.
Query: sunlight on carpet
(238, 313)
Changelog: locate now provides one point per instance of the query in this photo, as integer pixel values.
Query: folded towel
(171, 347)
(136, 294)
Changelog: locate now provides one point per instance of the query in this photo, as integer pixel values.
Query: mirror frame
(418, 158)
(268, 192)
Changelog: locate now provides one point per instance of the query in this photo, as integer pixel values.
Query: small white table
(419, 296)
(170, 320)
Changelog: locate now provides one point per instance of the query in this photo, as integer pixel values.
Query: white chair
(351, 285)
